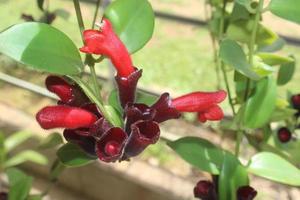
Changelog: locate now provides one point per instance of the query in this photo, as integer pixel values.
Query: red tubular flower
(127, 87)
(64, 117)
(106, 42)
(111, 146)
(205, 190)
(205, 103)
(246, 193)
(143, 133)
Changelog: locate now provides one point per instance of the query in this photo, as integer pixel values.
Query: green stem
(238, 142)
(95, 82)
(79, 16)
(96, 13)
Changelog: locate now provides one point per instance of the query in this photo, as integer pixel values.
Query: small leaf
(200, 153)
(275, 168)
(247, 5)
(233, 175)
(241, 31)
(273, 59)
(275, 46)
(19, 183)
(239, 12)
(133, 20)
(232, 54)
(40, 4)
(286, 9)
(260, 106)
(145, 98)
(41, 47)
(72, 155)
(16, 139)
(286, 72)
(51, 141)
(114, 101)
(24, 156)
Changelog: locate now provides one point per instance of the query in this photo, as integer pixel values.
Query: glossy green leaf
(286, 9)
(260, 68)
(27, 155)
(51, 141)
(200, 153)
(114, 116)
(20, 184)
(233, 175)
(41, 47)
(246, 4)
(72, 155)
(239, 12)
(16, 139)
(275, 46)
(232, 54)
(286, 72)
(273, 59)
(275, 168)
(133, 20)
(260, 106)
(241, 31)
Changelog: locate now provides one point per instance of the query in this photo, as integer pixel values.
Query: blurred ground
(177, 59)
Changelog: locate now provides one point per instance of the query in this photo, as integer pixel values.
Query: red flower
(204, 103)
(106, 42)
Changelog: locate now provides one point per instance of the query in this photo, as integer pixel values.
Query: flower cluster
(86, 126)
(207, 190)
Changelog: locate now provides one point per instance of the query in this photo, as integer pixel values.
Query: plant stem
(96, 13)
(95, 82)
(79, 16)
(238, 142)
(252, 43)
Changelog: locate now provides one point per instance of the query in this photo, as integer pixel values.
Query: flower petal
(106, 42)
(100, 127)
(214, 113)
(198, 101)
(64, 117)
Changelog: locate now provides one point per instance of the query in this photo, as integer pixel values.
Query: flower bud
(284, 135)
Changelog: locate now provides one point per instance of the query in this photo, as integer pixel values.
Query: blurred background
(178, 59)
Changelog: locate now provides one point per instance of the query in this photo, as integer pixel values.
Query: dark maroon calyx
(69, 94)
(110, 147)
(164, 109)
(127, 87)
(284, 135)
(99, 128)
(87, 143)
(205, 190)
(136, 112)
(246, 193)
(296, 101)
(143, 133)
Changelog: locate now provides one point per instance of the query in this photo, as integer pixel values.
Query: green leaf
(275, 46)
(145, 98)
(19, 183)
(133, 20)
(16, 139)
(260, 106)
(247, 5)
(286, 9)
(41, 47)
(40, 4)
(241, 31)
(72, 155)
(273, 59)
(286, 72)
(28, 155)
(239, 12)
(114, 116)
(275, 168)
(2, 149)
(114, 101)
(51, 141)
(232, 54)
(233, 175)
(200, 153)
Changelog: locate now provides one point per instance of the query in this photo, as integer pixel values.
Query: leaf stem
(96, 13)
